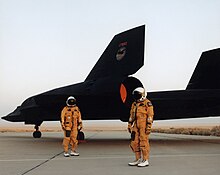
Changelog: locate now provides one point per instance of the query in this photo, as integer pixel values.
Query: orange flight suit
(71, 121)
(139, 124)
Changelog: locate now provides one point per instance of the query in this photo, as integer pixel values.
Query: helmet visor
(71, 102)
(137, 95)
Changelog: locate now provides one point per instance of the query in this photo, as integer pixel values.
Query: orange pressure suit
(71, 122)
(140, 123)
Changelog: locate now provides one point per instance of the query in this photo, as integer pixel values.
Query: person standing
(71, 123)
(139, 125)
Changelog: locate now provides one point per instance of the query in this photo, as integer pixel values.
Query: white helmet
(139, 94)
(71, 101)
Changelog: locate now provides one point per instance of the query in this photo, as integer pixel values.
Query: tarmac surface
(107, 152)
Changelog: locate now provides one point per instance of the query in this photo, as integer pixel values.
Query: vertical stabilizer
(207, 72)
(123, 56)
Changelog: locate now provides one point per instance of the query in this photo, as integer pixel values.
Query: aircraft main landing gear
(37, 133)
(80, 136)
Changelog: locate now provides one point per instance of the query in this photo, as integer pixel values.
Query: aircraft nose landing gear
(37, 133)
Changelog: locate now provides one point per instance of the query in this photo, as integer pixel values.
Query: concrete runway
(107, 152)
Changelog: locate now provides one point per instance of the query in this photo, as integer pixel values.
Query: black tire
(80, 136)
(37, 134)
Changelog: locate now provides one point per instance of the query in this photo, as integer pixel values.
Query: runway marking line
(113, 157)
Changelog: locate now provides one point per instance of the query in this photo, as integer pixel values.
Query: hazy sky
(46, 44)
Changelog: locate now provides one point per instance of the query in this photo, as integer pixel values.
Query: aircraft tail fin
(207, 72)
(123, 56)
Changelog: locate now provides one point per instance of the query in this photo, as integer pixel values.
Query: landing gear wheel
(37, 134)
(80, 136)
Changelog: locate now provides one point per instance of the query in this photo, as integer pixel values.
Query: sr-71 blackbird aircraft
(106, 92)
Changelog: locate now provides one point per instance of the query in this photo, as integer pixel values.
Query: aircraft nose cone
(15, 116)
(5, 118)
(9, 117)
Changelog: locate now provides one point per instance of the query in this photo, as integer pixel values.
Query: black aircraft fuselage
(106, 92)
(97, 105)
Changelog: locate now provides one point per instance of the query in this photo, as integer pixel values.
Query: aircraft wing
(201, 97)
